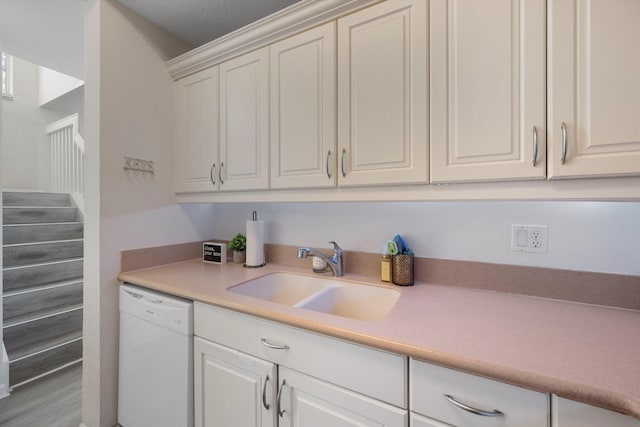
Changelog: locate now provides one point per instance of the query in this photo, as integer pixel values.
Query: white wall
(54, 84)
(129, 110)
(590, 236)
(25, 144)
(45, 32)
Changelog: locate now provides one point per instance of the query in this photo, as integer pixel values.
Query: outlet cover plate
(529, 238)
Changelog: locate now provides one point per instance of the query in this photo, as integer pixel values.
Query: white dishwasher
(155, 381)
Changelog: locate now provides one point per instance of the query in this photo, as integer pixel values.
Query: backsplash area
(614, 290)
(586, 236)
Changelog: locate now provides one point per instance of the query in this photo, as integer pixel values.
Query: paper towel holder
(264, 262)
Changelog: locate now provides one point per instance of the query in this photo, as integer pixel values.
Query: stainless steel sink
(323, 294)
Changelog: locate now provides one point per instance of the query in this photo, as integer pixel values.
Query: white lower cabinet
(232, 388)
(420, 421)
(308, 402)
(448, 397)
(253, 372)
(567, 413)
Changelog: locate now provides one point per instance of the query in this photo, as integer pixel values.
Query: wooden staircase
(42, 283)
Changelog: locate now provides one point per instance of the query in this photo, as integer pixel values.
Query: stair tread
(48, 242)
(39, 214)
(37, 198)
(37, 288)
(40, 334)
(60, 261)
(29, 368)
(14, 234)
(40, 315)
(36, 348)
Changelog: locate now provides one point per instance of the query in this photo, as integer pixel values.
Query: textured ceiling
(199, 21)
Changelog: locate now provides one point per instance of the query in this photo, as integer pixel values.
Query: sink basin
(283, 288)
(327, 295)
(352, 300)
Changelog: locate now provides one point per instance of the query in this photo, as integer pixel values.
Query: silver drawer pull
(266, 343)
(535, 146)
(264, 394)
(482, 413)
(279, 409)
(563, 128)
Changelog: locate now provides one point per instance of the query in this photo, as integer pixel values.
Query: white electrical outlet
(529, 238)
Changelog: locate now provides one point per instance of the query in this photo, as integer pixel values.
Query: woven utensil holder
(402, 269)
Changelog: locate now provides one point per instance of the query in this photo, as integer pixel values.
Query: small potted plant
(238, 245)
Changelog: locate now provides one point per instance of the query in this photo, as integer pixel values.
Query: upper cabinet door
(303, 105)
(382, 94)
(487, 90)
(196, 133)
(244, 122)
(594, 94)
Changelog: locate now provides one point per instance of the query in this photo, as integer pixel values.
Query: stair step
(31, 233)
(24, 339)
(27, 198)
(38, 253)
(41, 301)
(52, 359)
(28, 215)
(22, 278)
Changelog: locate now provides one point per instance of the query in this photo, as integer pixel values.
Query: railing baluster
(67, 157)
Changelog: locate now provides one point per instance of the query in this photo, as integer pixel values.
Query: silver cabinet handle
(328, 157)
(266, 343)
(220, 173)
(279, 400)
(264, 394)
(212, 171)
(476, 411)
(344, 174)
(564, 142)
(535, 146)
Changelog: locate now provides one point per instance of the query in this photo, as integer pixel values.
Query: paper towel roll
(255, 243)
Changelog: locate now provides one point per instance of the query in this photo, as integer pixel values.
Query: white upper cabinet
(487, 90)
(303, 129)
(196, 133)
(382, 95)
(594, 94)
(244, 122)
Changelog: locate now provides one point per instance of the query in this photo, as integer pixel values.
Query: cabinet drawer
(372, 372)
(431, 384)
(567, 413)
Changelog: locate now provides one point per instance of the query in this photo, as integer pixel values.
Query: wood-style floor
(52, 401)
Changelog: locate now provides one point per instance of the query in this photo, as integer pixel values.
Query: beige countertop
(583, 352)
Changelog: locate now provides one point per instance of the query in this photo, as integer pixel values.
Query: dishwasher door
(155, 387)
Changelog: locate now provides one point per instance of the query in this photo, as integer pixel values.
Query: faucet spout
(303, 252)
(334, 262)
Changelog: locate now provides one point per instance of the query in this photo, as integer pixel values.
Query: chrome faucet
(334, 262)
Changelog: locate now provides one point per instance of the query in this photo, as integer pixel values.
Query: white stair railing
(67, 158)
